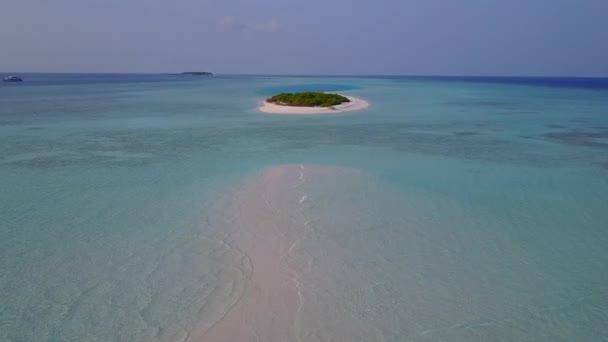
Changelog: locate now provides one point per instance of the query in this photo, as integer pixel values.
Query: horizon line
(300, 75)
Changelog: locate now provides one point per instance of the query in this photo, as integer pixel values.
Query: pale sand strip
(267, 221)
(260, 217)
(354, 104)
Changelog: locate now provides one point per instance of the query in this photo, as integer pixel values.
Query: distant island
(308, 99)
(197, 73)
(191, 73)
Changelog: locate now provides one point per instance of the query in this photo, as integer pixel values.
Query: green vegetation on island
(308, 99)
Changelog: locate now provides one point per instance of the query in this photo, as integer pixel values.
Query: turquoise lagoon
(151, 208)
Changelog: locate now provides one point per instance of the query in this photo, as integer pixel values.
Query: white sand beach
(354, 104)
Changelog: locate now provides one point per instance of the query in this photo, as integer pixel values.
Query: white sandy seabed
(354, 104)
(288, 290)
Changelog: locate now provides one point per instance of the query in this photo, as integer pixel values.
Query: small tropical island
(311, 103)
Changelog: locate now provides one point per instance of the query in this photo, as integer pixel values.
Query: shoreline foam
(354, 104)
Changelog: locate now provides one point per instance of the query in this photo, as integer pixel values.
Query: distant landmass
(197, 73)
(192, 73)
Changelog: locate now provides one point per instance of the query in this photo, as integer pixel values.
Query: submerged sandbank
(354, 104)
(268, 221)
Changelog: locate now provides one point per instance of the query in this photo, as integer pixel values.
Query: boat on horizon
(12, 78)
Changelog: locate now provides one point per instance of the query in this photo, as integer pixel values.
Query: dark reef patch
(10, 122)
(465, 133)
(127, 148)
(581, 138)
(580, 120)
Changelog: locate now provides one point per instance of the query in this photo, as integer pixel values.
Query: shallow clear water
(155, 209)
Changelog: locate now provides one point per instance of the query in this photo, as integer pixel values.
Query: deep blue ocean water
(46, 79)
(167, 208)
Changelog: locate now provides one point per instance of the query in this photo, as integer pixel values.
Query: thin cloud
(235, 24)
(232, 23)
(270, 26)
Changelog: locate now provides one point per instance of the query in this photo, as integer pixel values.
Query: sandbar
(269, 222)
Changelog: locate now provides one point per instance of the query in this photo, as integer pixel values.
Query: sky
(348, 37)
